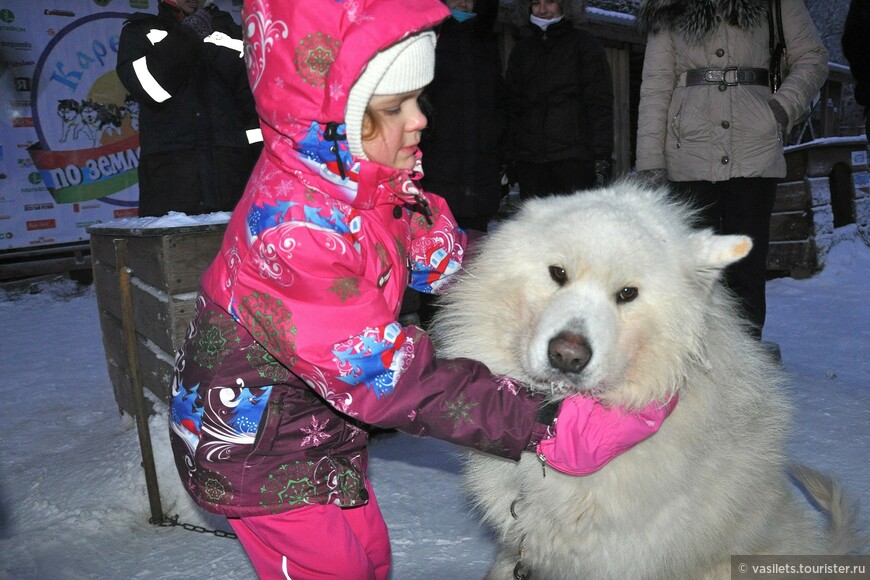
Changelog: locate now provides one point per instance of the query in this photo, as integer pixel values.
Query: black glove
(779, 113)
(504, 182)
(510, 171)
(603, 171)
(653, 177)
(199, 22)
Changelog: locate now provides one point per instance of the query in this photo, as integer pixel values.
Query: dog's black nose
(569, 352)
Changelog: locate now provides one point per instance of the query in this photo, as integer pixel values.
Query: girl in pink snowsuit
(296, 349)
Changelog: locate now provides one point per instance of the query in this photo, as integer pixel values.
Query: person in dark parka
(560, 106)
(198, 130)
(855, 51)
(463, 145)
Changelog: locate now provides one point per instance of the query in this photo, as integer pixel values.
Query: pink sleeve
(588, 434)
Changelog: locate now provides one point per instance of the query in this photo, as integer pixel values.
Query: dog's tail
(828, 494)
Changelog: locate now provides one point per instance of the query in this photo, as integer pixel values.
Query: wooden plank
(157, 371)
(821, 160)
(796, 165)
(792, 196)
(156, 368)
(116, 361)
(43, 266)
(121, 388)
(186, 258)
(106, 285)
(123, 391)
(818, 159)
(619, 65)
(103, 249)
(797, 259)
(161, 317)
(790, 226)
(146, 260)
(173, 263)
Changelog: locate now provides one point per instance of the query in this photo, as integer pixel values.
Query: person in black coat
(463, 146)
(198, 128)
(560, 107)
(855, 51)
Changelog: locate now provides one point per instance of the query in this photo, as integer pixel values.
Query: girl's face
(398, 122)
(546, 9)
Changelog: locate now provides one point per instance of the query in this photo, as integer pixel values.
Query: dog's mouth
(560, 387)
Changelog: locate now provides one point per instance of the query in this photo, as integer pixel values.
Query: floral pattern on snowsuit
(296, 349)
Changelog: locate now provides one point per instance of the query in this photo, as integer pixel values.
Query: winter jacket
(463, 145)
(714, 132)
(855, 48)
(560, 96)
(296, 349)
(193, 96)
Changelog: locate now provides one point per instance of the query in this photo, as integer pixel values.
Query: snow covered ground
(73, 503)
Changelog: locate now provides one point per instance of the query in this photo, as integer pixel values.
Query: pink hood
(302, 65)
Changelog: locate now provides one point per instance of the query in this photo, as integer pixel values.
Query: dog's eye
(627, 294)
(559, 275)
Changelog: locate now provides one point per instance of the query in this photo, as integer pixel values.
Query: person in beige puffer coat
(710, 124)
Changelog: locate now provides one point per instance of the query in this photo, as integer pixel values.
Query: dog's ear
(716, 251)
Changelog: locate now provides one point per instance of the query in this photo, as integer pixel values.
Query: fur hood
(695, 19)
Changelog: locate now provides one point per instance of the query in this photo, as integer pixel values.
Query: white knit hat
(405, 66)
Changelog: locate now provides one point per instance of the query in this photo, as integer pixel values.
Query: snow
(173, 219)
(73, 502)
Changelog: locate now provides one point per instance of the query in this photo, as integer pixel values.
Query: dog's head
(608, 292)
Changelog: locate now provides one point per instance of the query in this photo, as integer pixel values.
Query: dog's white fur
(714, 481)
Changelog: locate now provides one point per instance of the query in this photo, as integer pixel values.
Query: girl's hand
(588, 434)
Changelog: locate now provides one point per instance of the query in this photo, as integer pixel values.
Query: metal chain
(172, 522)
(521, 571)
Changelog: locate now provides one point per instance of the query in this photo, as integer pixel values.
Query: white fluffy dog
(622, 271)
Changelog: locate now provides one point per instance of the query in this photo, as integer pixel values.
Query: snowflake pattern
(459, 411)
(267, 367)
(337, 91)
(314, 57)
(218, 338)
(315, 434)
(216, 489)
(271, 324)
(306, 482)
(345, 287)
(288, 487)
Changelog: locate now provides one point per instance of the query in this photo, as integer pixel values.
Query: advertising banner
(69, 133)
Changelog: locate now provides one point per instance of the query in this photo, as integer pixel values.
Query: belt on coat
(730, 76)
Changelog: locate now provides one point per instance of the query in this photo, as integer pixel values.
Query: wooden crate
(801, 225)
(165, 265)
